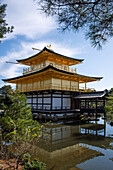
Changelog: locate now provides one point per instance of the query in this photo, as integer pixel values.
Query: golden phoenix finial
(49, 46)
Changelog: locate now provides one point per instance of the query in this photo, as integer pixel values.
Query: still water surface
(73, 146)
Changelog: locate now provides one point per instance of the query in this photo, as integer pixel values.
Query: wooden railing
(30, 70)
(56, 87)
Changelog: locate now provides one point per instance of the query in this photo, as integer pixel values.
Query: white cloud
(27, 20)
(66, 50)
(25, 51)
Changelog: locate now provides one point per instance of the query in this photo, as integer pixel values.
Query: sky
(32, 28)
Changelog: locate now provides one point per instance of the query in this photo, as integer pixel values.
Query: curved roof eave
(54, 68)
(46, 49)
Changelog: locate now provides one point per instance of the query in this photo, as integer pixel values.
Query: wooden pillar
(104, 113)
(96, 129)
(78, 84)
(26, 86)
(70, 84)
(104, 102)
(103, 107)
(68, 68)
(104, 128)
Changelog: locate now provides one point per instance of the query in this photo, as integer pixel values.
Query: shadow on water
(76, 145)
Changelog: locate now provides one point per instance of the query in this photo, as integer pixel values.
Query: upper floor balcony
(34, 68)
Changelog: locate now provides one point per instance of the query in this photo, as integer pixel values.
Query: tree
(34, 164)
(5, 89)
(18, 128)
(109, 104)
(3, 95)
(95, 17)
(4, 28)
(17, 118)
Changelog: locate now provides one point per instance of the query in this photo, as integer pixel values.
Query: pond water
(69, 145)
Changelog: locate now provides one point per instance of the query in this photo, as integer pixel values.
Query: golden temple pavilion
(51, 87)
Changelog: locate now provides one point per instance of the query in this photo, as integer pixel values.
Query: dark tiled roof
(54, 68)
(89, 95)
(52, 52)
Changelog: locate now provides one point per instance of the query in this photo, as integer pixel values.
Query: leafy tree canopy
(94, 16)
(5, 89)
(19, 128)
(17, 121)
(4, 28)
(4, 98)
(109, 104)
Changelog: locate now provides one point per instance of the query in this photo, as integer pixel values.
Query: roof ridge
(51, 51)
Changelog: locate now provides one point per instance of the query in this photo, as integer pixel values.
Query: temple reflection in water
(65, 146)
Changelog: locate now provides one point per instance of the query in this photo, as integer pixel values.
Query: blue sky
(34, 29)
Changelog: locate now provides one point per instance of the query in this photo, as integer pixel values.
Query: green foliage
(17, 123)
(6, 89)
(109, 104)
(3, 95)
(26, 157)
(111, 92)
(4, 28)
(18, 127)
(95, 17)
(34, 165)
